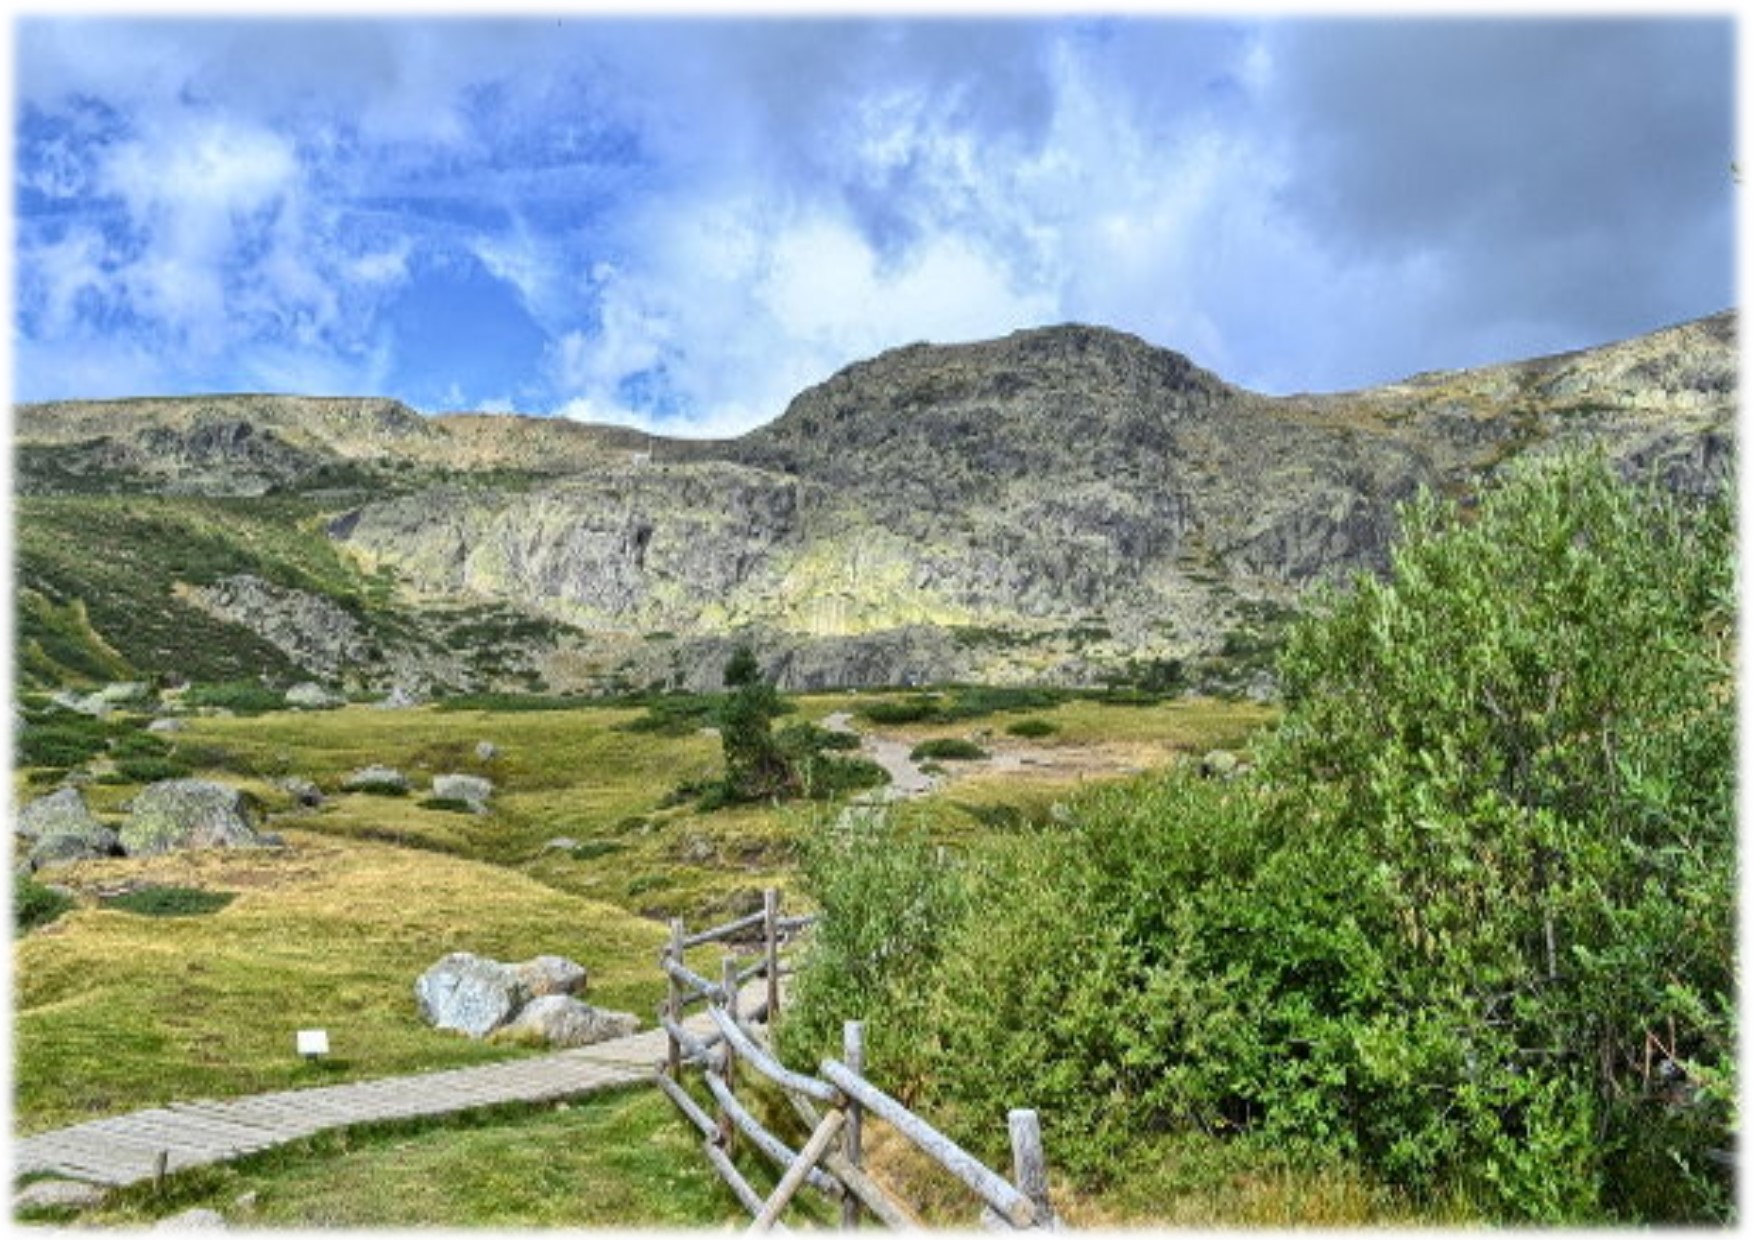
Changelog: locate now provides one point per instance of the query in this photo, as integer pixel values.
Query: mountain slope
(1065, 503)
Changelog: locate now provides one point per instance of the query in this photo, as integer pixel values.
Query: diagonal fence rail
(835, 1104)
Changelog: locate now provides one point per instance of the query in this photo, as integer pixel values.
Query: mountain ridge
(1066, 503)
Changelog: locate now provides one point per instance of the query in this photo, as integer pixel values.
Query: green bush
(1032, 728)
(241, 697)
(35, 905)
(916, 709)
(952, 748)
(152, 770)
(1515, 757)
(888, 899)
(60, 745)
(157, 901)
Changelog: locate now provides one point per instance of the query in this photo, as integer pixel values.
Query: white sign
(313, 1042)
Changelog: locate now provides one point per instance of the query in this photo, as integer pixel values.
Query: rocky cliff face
(1054, 505)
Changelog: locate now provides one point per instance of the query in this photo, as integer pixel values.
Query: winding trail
(906, 779)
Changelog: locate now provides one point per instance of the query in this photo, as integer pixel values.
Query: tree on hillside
(756, 767)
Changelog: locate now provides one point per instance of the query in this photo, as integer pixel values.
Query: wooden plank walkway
(124, 1149)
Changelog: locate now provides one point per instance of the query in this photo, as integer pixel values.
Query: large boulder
(62, 812)
(189, 813)
(472, 790)
(552, 975)
(469, 993)
(60, 828)
(561, 1020)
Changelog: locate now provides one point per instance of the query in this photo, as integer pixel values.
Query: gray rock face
(470, 789)
(376, 778)
(552, 975)
(562, 1021)
(309, 629)
(1052, 507)
(470, 994)
(189, 813)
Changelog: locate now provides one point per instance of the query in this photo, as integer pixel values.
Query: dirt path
(1058, 762)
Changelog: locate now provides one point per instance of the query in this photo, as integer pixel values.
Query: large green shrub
(1512, 763)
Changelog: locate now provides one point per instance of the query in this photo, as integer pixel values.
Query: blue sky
(680, 223)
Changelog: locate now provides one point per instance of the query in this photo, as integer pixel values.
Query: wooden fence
(835, 1104)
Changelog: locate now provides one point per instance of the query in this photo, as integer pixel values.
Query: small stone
(561, 1020)
(376, 778)
(560, 843)
(312, 696)
(486, 751)
(191, 1218)
(45, 1194)
(303, 792)
(472, 790)
(167, 725)
(552, 975)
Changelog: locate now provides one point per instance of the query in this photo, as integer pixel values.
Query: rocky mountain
(1065, 504)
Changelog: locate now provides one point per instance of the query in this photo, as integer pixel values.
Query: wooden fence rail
(835, 1104)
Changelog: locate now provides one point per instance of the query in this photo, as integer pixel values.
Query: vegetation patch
(948, 748)
(1032, 729)
(34, 904)
(165, 901)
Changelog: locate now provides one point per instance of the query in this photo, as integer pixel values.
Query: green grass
(621, 1160)
(114, 1012)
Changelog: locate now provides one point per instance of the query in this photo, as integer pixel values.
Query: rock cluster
(166, 816)
(537, 1000)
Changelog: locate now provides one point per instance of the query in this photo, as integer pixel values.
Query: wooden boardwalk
(125, 1149)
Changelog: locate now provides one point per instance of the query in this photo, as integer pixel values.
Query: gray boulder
(189, 813)
(552, 975)
(470, 789)
(561, 1020)
(100, 841)
(167, 725)
(376, 778)
(303, 792)
(312, 696)
(62, 812)
(400, 697)
(486, 751)
(60, 828)
(469, 993)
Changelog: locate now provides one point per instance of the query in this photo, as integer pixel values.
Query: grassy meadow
(590, 842)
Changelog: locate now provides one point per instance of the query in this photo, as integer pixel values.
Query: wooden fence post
(852, 1141)
(675, 951)
(1029, 1165)
(727, 1125)
(770, 905)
